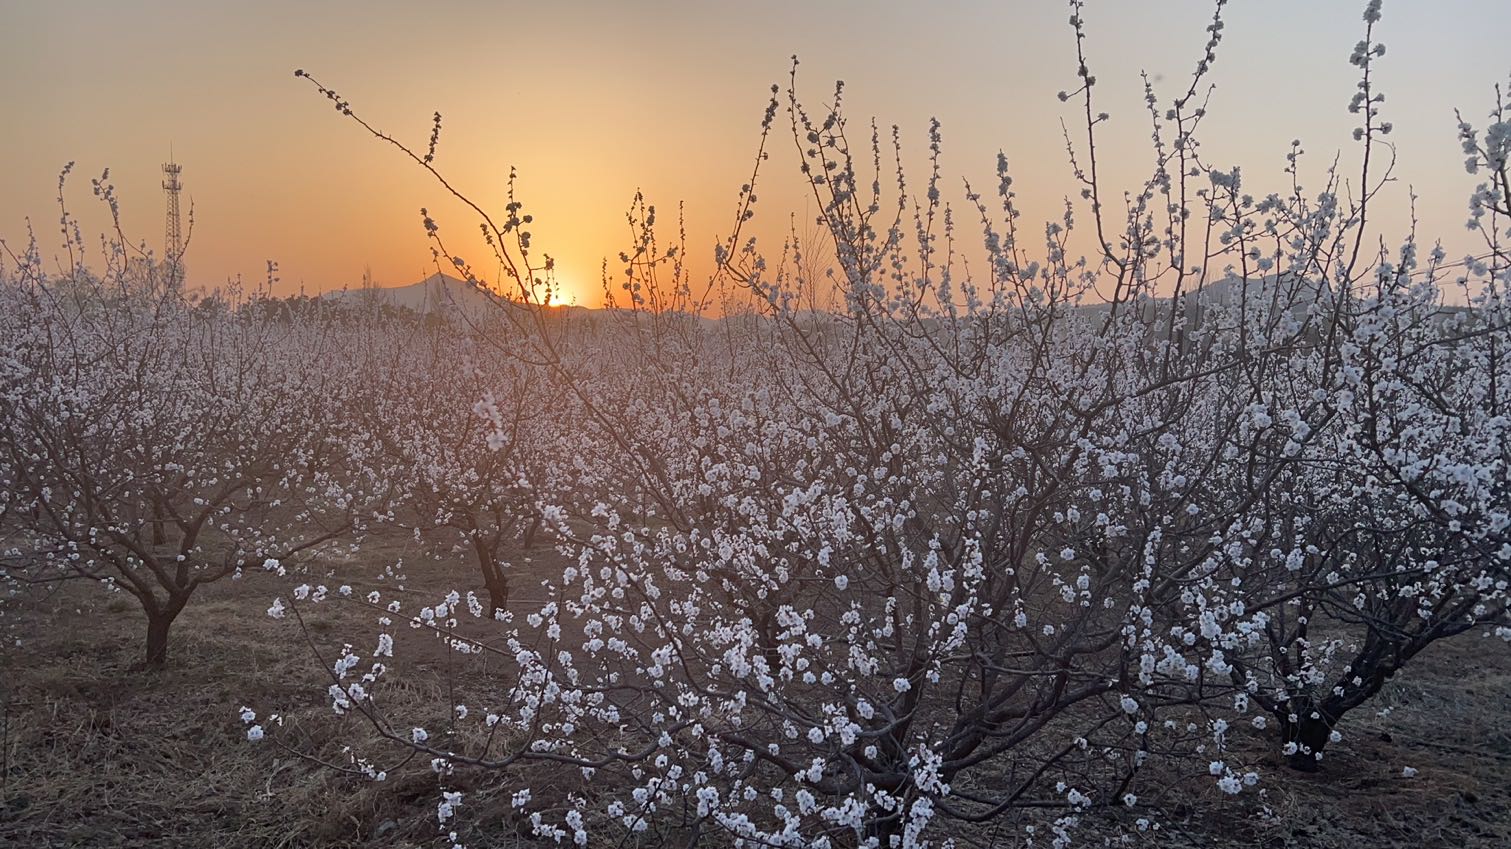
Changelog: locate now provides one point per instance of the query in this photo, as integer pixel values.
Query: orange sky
(592, 100)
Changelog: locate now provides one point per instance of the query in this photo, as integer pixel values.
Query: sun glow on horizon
(590, 144)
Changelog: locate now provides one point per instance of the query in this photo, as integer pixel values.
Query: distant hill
(436, 293)
(442, 293)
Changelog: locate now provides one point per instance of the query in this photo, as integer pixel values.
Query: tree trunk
(498, 589)
(157, 640)
(1310, 734)
(494, 579)
(159, 535)
(531, 531)
(159, 620)
(884, 826)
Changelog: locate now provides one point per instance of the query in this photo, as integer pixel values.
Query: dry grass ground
(1448, 716)
(98, 755)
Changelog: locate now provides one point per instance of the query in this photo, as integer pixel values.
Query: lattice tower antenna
(173, 241)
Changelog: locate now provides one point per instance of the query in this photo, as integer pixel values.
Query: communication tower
(173, 241)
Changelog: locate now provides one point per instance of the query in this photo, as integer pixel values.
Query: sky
(592, 100)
